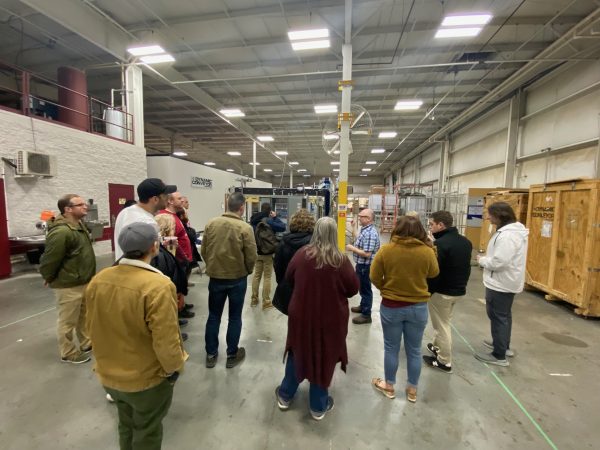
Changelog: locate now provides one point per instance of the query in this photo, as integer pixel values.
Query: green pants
(141, 415)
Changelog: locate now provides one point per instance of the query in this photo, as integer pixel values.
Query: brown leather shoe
(356, 309)
(359, 320)
(411, 394)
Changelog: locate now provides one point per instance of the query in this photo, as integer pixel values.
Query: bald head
(366, 217)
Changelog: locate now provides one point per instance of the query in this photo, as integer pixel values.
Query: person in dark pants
(139, 353)
(503, 277)
(229, 251)
(322, 279)
(366, 245)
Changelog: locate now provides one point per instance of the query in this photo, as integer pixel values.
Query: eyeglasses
(364, 217)
(78, 205)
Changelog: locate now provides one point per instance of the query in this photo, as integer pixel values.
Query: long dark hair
(503, 213)
(408, 226)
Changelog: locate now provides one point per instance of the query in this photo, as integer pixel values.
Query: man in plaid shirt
(364, 249)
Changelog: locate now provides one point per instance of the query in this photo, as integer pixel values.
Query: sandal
(379, 385)
(411, 394)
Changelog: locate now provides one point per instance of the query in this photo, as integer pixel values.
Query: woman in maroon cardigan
(322, 278)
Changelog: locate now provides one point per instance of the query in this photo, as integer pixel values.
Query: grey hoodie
(504, 263)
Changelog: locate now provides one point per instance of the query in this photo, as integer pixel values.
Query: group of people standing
(128, 313)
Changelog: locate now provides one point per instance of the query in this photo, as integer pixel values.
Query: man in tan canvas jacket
(132, 321)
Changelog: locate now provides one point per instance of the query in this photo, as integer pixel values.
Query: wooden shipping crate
(563, 259)
(516, 198)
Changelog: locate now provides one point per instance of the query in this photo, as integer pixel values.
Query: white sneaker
(109, 398)
(489, 344)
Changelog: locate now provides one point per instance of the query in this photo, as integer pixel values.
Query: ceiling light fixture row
(309, 39)
(468, 25)
(151, 54)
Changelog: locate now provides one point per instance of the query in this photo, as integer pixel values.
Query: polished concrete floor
(547, 398)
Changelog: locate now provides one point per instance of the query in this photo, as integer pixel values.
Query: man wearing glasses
(364, 249)
(67, 265)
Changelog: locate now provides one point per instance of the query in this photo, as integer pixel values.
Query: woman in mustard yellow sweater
(400, 271)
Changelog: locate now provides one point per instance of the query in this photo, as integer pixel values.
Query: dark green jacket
(68, 259)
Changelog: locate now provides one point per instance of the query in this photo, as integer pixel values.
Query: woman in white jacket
(503, 277)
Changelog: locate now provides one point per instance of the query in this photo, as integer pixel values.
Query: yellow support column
(341, 215)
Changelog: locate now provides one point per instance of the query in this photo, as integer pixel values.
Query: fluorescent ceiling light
(229, 170)
(371, 162)
(336, 170)
(268, 170)
(258, 164)
(209, 163)
(335, 163)
(366, 169)
(308, 34)
(467, 19)
(146, 50)
(407, 105)
(306, 176)
(281, 153)
(155, 59)
(179, 153)
(336, 152)
(233, 112)
(378, 150)
(293, 163)
(387, 134)
(363, 175)
(457, 32)
(301, 170)
(311, 45)
(265, 138)
(234, 153)
(331, 137)
(326, 109)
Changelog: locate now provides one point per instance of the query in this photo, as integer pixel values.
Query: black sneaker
(432, 361)
(211, 361)
(319, 416)
(281, 403)
(184, 337)
(188, 306)
(77, 359)
(186, 314)
(182, 323)
(234, 360)
(433, 349)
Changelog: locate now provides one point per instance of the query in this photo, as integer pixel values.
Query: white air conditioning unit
(40, 164)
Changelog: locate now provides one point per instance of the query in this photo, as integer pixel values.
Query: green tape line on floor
(511, 395)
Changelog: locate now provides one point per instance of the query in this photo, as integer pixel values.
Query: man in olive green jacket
(229, 251)
(67, 266)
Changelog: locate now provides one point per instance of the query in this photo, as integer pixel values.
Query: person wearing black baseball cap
(152, 194)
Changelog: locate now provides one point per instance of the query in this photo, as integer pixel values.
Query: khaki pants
(71, 319)
(264, 265)
(440, 310)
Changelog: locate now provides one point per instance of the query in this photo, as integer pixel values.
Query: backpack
(266, 241)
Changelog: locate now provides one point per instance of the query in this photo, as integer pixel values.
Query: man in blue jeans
(364, 249)
(229, 251)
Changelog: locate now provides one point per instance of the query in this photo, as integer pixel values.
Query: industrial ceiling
(238, 54)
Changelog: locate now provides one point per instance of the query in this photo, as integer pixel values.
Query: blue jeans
(318, 396)
(410, 322)
(218, 291)
(498, 306)
(366, 293)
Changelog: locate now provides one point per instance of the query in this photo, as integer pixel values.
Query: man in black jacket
(454, 259)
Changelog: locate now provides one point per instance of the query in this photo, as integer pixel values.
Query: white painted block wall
(86, 164)
(204, 203)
